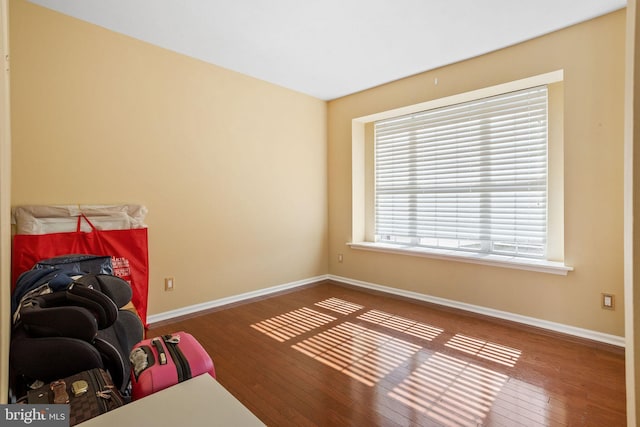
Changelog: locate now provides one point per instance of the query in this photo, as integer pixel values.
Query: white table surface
(200, 401)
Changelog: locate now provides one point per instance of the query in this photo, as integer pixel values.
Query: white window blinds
(468, 177)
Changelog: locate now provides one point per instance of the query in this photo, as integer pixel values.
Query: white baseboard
(531, 321)
(167, 315)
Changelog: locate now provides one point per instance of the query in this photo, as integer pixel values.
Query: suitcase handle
(162, 357)
(182, 364)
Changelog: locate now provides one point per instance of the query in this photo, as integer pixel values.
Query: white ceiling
(332, 48)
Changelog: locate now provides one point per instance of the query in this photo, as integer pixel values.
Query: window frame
(363, 229)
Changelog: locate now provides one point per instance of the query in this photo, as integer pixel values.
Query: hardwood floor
(332, 355)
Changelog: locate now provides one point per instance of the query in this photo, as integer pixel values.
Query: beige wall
(592, 57)
(233, 170)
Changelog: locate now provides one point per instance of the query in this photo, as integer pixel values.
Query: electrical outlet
(168, 283)
(608, 301)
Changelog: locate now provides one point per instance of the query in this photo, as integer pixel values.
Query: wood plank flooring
(333, 355)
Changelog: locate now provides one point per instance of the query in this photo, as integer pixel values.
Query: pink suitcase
(161, 362)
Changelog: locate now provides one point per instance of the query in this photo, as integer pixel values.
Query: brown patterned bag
(89, 394)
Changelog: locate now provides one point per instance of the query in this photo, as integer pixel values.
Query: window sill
(542, 266)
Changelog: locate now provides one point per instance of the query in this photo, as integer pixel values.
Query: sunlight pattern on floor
(486, 350)
(291, 324)
(451, 391)
(339, 306)
(408, 326)
(364, 354)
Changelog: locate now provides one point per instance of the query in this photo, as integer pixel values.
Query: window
(474, 177)
(466, 177)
